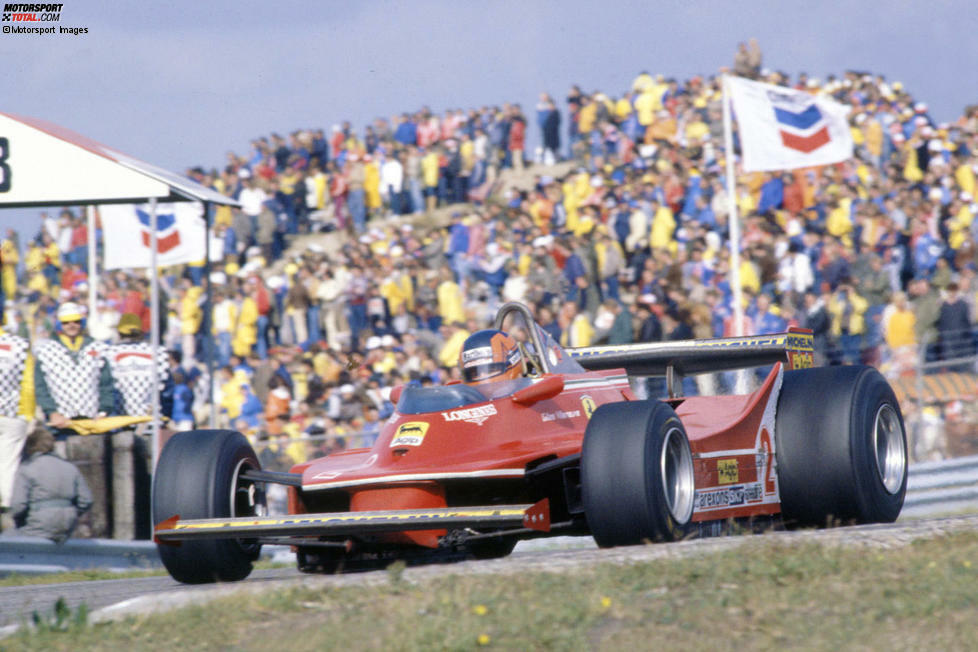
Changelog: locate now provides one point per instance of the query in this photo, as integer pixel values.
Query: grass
(89, 575)
(761, 596)
(15, 579)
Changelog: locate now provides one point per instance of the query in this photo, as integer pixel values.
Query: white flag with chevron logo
(180, 233)
(783, 129)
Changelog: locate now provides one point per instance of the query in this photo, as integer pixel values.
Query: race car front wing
(534, 517)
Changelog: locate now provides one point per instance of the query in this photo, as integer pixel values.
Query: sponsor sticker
(710, 499)
(589, 406)
(410, 433)
(560, 414)
(476, 415)
(480, 353)
(554, 355)
(802, 360)
(727, 472)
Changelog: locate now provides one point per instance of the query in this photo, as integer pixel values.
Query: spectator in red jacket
(134, 302)
(517, 138)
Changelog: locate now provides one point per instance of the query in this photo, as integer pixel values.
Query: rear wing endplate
(795, 349)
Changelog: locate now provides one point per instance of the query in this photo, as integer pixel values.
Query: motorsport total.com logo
(32, 13)
(25, 14)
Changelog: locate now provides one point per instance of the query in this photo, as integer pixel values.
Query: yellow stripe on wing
(353, 517)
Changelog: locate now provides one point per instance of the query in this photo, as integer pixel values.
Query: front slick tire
(636, 474)
(841, 447)
(199, 476)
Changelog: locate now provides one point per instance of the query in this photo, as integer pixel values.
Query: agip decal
(410, 433)
(727, 472)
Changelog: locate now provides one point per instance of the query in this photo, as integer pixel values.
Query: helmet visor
(482, 369)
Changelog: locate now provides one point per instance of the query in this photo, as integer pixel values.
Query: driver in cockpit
(490, 355)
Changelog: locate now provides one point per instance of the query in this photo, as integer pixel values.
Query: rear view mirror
(547, 388)
(396, 393)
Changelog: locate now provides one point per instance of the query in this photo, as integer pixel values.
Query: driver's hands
(58, 420)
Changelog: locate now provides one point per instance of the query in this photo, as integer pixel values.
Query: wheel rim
(247, 499)
(676, 465)
(888, 446)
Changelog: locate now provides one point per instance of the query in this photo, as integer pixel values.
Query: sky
(182, 83)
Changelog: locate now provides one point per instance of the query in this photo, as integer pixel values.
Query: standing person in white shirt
(251, 197)
(795, 271)
(17, 405)
(50, 226)
(392, 182)
(225, 314)
(65, 228)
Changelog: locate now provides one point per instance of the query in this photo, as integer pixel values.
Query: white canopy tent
(43, 164)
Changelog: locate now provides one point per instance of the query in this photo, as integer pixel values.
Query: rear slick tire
(636, 474)
(199, 476)
(841, 448)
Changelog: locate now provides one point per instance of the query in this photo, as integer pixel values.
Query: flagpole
(733, 220)
(92, 269)
(741, 385)
(154, 327)
(209, 312)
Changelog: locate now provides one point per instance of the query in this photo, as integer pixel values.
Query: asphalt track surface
(115, 599)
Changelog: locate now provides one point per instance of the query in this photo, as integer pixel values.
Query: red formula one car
(565, 448)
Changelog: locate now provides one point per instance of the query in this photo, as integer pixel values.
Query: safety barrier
(35, 555)
(942, 487)
(933, 488)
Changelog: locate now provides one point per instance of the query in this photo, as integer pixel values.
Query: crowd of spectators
(622, 237)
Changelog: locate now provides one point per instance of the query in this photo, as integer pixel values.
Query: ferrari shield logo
(588, 404)
(410, 433)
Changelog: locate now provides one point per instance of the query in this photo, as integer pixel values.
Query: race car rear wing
(533, 517)
(795, 349)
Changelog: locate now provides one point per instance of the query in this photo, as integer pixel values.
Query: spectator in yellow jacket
(191, 316)
(663, 227)
(232, 397)
(450, 298)
(10, 257)
(34, 259)
(839, 221)
(246, 331)
(899, 323)
(398, 290)
(965, 176)
(371, 183)
(576, 326)
(847, 311)
(455, 335)
(587, 116)
(429, 174)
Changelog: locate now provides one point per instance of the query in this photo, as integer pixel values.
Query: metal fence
(937, 390)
